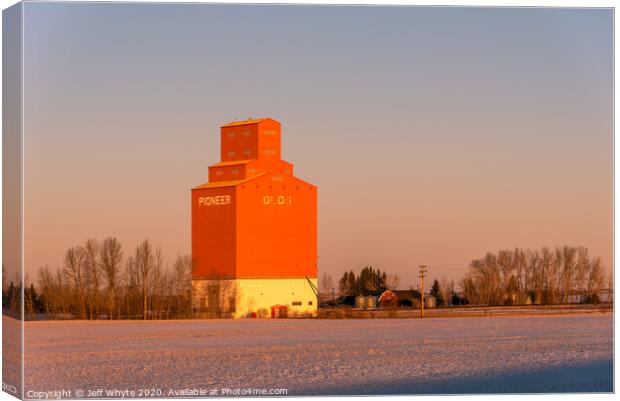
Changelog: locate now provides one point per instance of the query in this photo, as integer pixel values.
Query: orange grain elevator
(254, 230)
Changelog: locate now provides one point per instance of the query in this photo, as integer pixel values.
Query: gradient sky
(434, 134)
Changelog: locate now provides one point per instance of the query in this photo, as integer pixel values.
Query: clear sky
(433, 134)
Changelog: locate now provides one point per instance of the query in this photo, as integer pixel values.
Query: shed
(403, 298)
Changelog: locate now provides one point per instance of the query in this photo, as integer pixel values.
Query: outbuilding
(401, 298)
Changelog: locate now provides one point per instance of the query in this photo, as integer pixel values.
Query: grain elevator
(254, 230)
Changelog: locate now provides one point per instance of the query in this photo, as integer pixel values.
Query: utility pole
(422, 275)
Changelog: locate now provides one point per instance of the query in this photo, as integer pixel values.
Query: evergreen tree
(456, 300)
(37, 302)
(6, 296)
(371, 282)
(10, 293)
(348, 285)
(436, 292)
(353, 285)
(343, 285)
(366, 281)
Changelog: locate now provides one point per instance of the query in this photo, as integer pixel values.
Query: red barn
(254, 229)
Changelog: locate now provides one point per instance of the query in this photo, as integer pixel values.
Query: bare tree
(470, 289)
(156, 286)
(111, 258)
(445, 291)
(567, 255)
(53, 292)
(182, 284)
(610, 286)
(217, 298)
(536, 277)
(92, 279)
(326, 287)
(595, 280)
(567, 274)
(582, 269)
(145, 264)
(548, 274)
(46, 282)
(131, 288)
(393, 281)
(92, 276)
(326, 283)
(75, 260)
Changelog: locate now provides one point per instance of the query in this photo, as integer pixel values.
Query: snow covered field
(371, 356)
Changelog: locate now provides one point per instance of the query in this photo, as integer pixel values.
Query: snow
(11, 355)
(367, 356)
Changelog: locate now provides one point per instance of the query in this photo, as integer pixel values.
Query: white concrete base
(239, 298)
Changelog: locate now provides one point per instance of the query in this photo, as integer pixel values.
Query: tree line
(98, 281)
(369, 281)
(351, 285)
(544, 276)
(565, 274)
(374, 282)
